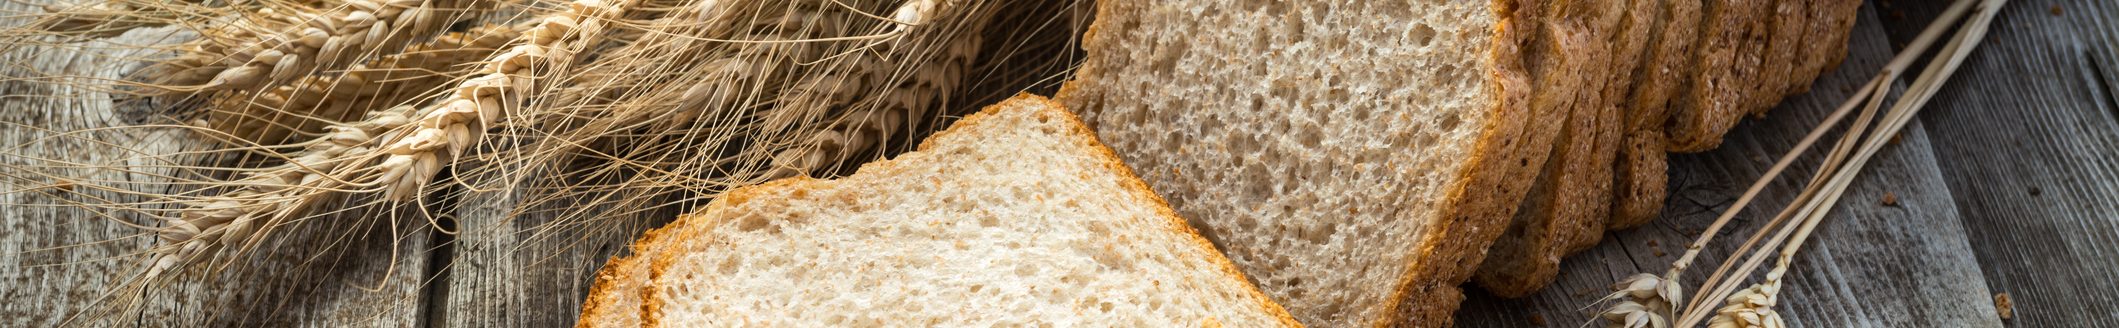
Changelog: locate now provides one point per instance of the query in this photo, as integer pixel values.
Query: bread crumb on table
(1537, 319)
(2003, 306)
(1890, 199)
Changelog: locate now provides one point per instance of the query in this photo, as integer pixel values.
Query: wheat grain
(1753, 307)
(1642, 301)
(307, 105)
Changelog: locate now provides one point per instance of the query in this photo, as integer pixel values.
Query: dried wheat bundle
(1747, 307)
(276, 44)
(709, 106)
(392, 153)
(304, 107)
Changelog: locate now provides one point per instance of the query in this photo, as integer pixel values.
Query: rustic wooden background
(2008, 184)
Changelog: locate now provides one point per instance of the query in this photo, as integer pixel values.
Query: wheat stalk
(1752, 306)
(100, 19)
(277, 44)
(394, 152)
(1923, 89)
(307, 105)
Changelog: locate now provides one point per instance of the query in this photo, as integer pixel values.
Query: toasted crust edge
(614, 271)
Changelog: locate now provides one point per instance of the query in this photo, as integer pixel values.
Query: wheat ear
(307, 105)
(277, 44)
(877, 119)
(394, 152)
(1753, 307)
(1642, 301)
(686, 114)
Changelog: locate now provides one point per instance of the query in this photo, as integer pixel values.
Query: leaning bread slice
(1790, 24)
(1567, 207)
(1014, 216)
(1699, 116)
(1638, 182)
(1356, 158)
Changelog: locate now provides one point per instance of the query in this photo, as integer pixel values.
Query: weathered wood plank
(527, 269)
(57, 260)
(1869, 264)
(2027, 140)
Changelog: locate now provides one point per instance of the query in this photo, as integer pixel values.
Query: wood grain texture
(2027, 139)
(1870, 265)
(514, 268)
(57, 261)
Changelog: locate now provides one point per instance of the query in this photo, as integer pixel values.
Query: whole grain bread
(1016, 215)
(1355, 158)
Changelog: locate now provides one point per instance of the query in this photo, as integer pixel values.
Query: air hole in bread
(1310, 138)
(1268, 7)
(1166, 59)
(752, 222)
(1420, 35)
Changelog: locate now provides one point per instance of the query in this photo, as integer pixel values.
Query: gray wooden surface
(2007, 184)
(56, 261)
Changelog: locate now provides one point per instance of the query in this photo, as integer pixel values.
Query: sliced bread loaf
(1014, 216)
(1355, 158)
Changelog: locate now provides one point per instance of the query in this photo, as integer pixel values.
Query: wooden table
(2008, 184)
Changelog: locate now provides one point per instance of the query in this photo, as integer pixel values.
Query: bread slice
(1631, 46)
(1790, 23)
(1014, 216)
(1716, 87)
(1640, 179)
(1567, 207)
(1833, 23)
(1355, 158)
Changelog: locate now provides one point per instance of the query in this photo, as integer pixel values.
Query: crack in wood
(441, 253)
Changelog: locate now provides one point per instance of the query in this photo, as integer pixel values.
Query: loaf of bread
(1354, 157)
(1324, 144)
(1014, 216)
(1754, 57)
